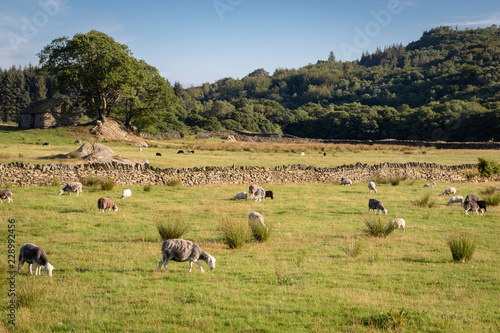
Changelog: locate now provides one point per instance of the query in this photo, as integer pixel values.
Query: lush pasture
(302, 279)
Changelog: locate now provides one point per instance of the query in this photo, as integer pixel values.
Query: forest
(444, 86)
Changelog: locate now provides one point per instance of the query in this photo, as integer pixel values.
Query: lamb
(430, 185)
(6, 194)
(183, 250)
(269, 194)
(449, 190)
(105, 204)
(255, 219)
(471, 205)
(260, 194)
(126, 194)
(35, 256)
(456, 199)
(345, 181)
(482, 205)
(398, 223)
(472, 197)
(371, 186)
(72, 187)
(241, 195)
(376, 204)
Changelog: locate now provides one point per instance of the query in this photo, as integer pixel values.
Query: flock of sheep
(183, 250)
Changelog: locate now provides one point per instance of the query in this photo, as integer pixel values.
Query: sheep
(35, 256)
(72, 187)
(260, 194)
(471, 205)
(46, 144)
(345, 181)
(398, 223)
(158, 154)
(456, 199)
(241, 195)
(189, 151)
(497, 188)
(449, 190)
(269, 194)
(252, 189)
(126, 194)
(376, 204)
(472, 197)
(180, 152)
(105, 204)
(430, 185)
(371, 186)
(6, 194)
(77, 141)
(183, 250)
(140, 148)
(482, 205)
(255, 219)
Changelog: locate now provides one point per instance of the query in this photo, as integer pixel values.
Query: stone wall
(27, 174)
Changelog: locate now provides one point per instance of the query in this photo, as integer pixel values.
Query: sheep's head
(61, 192)
(48, 269)
(115, 208)
(385, 211)
(211, 262)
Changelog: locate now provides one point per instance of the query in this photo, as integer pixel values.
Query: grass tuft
(148, 187)
(462, 246)
(493, 200)
(395, 181)
(375, 227)
(174, 182)
(353, 248)
(261, 233)
(234, 233)
(107, 184)
(425, 201)
(172, 228)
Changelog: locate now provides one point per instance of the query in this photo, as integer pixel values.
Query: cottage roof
(41, 106)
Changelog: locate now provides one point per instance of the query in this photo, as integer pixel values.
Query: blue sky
(199, 41)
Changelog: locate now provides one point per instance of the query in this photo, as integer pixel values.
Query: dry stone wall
(27, 174)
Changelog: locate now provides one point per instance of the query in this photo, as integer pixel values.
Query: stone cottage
(48, 113)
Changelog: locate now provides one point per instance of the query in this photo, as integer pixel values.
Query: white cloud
(493, 18)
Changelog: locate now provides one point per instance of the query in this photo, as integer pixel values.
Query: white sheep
(72, 187)
(106, 203)
(398, 223)
(449, 191)
(345, 181)
(255, 219)
(376, 205)
(126, 194)
(35, 256)
(241, 195)
(6, 194)
(371, 186)
(183, 250)
(456, 199)
(252, 189)
(430, 185)
(260, 194)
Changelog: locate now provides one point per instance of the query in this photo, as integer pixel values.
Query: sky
(198, 41)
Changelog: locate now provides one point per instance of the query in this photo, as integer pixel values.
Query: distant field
(301, 280)
(26, 146)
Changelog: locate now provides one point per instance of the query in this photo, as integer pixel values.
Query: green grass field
(303, 279)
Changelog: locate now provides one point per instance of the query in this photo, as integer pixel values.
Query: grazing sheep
(472, 197)
(345, 181)
(140, 148)
(430, 185)
(449, 190)
(241, 195)
(35, 256)
(180, 152)
(6, 194)
(105, 204)
(302, 154)
(482, 205)
(471, 205)
(78, 141)
(371, 186)
(255, 219)
(72, 187)
(456, 199)
(126, 194)
(497, 188)
(46, 144)
(260, 194)
(398, 223)
(252, 189)
(269, 194)
(158, 154)
(183, 250)
(189, 151)
(376, 204)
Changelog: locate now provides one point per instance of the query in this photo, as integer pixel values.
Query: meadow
(306, 277)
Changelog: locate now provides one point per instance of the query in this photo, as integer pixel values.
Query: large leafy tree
(94, 64)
